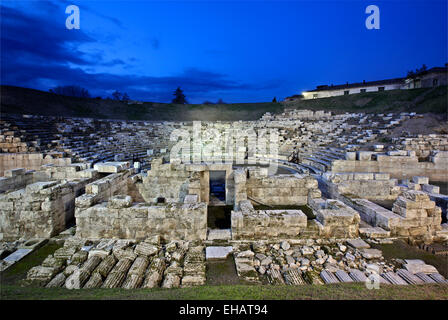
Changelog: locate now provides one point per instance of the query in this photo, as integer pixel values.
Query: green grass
(18, 271)
(223, 284)
(229, 292)
(29, 101)
(401, 250)
(436, 101)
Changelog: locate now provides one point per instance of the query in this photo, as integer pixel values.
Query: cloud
(37, 52)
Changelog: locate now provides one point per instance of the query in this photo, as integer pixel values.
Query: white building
(326, 91)
(433, 77)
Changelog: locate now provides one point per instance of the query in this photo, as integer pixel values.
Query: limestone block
(382, 176)
(106, 266)
(154, 273)
(95, 281)
(420, 180)
(146, 249)
(430, 188)
(119, 202)
(14, 172)
(350, 156)
(364, 155)
(111, 167)
(132, 281)
(57, 281)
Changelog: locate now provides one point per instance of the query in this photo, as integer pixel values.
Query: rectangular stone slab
(357, 275)
(17, 255)
(217, 253)
(328, 277)
(358, 244)
(409, 277)
(343, 276)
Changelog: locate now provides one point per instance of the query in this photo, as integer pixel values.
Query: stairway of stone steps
(83, 139)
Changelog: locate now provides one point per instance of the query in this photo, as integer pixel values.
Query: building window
(380, 88)
(362, 90)
(346, 92)
(435, 82)
(315, 96)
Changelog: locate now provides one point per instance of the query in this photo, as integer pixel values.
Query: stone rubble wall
(333, 220)
(40, 210)
(169, 181)
(413, 215)
(29, 161)
(424, 144)
(251, 224)
(287, 189)
(121, 264)
(398, 166)
(139, 221)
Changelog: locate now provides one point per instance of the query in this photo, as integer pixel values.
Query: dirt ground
(428, 124)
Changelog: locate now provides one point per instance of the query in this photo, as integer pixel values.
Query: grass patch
(356, 291)
(402, 250)
(19, 270)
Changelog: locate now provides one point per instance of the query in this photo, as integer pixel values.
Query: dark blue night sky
(240, 51)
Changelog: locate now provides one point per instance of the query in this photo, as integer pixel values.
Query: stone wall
(29, 161)
(424, 144)
(40, 210)
(72, 171)
(398, 166)
(119, 218)
(335, 219)
(168, 181)
(375, 186)
(250, 224)
(15, 179)
(284, 189)
(413, 215)
(104, 188)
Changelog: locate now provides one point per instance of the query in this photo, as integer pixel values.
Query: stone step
(437, 277)
(374, 232)
(357, 275)
(393, 278)
(328, 277)
(409, 277)
(425, 278)
(219, 234)
(343, 276)
(217, 253)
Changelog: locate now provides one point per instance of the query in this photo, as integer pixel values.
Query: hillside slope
(29, 101)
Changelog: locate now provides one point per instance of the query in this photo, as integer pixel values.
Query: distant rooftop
(377, 82)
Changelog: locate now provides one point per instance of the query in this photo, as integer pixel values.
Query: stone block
(420, 180)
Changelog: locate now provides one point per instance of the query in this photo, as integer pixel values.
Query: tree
(220, 101)
(125, 97)
(71, 91)
(274, 100)
(116, 95)
(179, 97)
(207, 102)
